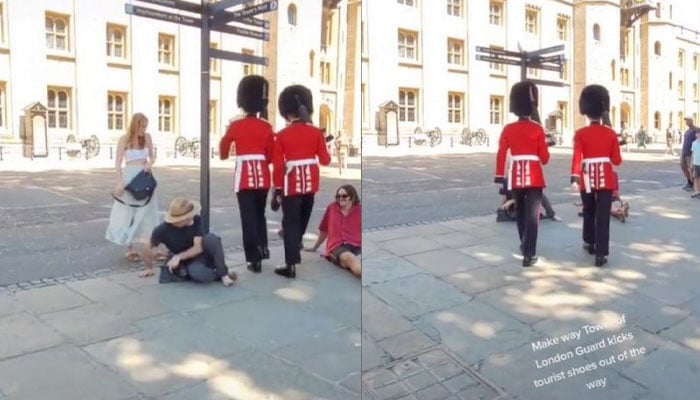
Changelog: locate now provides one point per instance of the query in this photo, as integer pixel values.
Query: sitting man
(195, 256)
(342, 226)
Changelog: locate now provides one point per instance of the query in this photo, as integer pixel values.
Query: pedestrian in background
(686, 162)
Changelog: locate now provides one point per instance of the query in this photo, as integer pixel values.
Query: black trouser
(251, 204)
(527, 210)
(548, 209)
(596, 220)
(296, 212)
(208, 266)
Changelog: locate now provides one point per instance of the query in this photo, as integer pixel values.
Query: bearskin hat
(594, 101)
(296, 101)
(523, 99)
(252, 94)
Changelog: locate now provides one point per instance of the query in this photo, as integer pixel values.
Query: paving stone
(420, 380)
(670, 360)
(459, 382)
(475, 330)
(406, 343)
(332, 356)
(372, 354)
(9, 305)
(411, 245)
(131, 280)
(458, 240)
(392, 391)
(189, 296)
(88, 379)
(645, 312)
(486, 255)
(482, 279)
(676, 297)
(435, 392)
(687, 333)
(418, 294)
(353, 382)
(387, 268)
(98, 288)
(50, 299)
(443, 262)
(379, 320)
(22, 333)
(88, 324)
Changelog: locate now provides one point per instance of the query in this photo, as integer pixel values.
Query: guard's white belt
(295, 163)
(240, 159)
(521, 157)
(587, 162)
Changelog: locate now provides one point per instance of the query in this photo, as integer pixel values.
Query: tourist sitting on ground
(341, 225)
(507, 210)
(193, 255)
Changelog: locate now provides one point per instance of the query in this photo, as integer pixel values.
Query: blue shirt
(696, 152)
(688, 138)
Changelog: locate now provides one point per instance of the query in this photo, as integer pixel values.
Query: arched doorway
(625, 114)
(324, 119)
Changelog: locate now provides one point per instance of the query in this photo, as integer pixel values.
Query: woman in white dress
(128, 224)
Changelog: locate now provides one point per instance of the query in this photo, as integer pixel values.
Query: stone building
(92, 65)
(424, 60)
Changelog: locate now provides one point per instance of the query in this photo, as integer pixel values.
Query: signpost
(208, 17)
(527, 59)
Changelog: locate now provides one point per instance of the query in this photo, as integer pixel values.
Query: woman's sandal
(133, 257)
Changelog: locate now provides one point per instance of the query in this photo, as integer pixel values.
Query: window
(497, 66)
(57, 32)
(116, 111)
(680, 119)
(214, 63)
(563, 108)
(564, 73)
(625, 45)
(695, 91)
(248, 69)
(166, 49)
(625, 76)
(657, 120)
(166, 114)
(562, 28)
(455, 52)
(326, 30)
(454, 8)
(496, 13)
(292, 15)
(657, 48)
(455, 107)
(59, 107)
(670, 81)
(312, 61)
(3, 118)
(496, 110)
(325, 72)
(612, 70)
(116, 39)
(695, 61)
(408, 105)
(681, 58)
(407, 2)
(596, 32)
(407, 45)
(681, 89)
(657, 12)
(213, 126)
(531, 20)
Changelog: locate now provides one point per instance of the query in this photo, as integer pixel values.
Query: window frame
(452, 54)
(53, 16)
(113, 115)
(163, 117)
(496, 115)
(496, 18)
(405, 107)
(406, 47)
(57, 110)
(455, 112)
(161, 50)
(111, 27)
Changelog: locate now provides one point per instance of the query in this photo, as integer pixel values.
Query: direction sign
(178, 4)
(234, 30)
(546, 83)
(223, 4)
(226, 17)
(499, 60)
(556, 68)
(244, 58)
(546, 50)
(551, 59)
(498, 52)
(162, 15)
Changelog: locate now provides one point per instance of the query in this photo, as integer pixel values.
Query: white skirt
(129, 224)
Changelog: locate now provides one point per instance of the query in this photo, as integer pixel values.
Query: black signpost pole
(204, 119)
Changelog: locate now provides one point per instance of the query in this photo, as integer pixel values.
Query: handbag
(141, 187)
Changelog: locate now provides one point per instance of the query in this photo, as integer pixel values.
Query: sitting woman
(619, 209)
(342, 226)
(506, 211)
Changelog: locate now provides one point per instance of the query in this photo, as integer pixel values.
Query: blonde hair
(132, 137)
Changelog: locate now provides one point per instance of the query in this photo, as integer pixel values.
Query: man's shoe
(530, 261)
(288, 271)
(265, 253)
(688, 188)
(255, 267)
(589, 248)
(600, 261)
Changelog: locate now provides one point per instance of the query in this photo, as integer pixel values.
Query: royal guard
(253, 139)
(596, 150)
(525, 178)
(299, 149)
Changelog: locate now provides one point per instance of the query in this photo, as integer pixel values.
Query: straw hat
(181, 209)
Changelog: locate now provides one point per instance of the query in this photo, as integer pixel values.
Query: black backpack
(141, 187)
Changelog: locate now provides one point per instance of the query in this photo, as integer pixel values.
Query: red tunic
(526, 141)
(295, 153)
(596, 150)
(340, 228)
(254, 141)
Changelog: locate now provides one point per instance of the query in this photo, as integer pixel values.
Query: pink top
(340, 228)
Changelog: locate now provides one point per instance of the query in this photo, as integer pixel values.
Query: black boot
(600, 261)
(265, 253)
(589, 248)
(530, 261)
(288, 271)
(255, 266)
